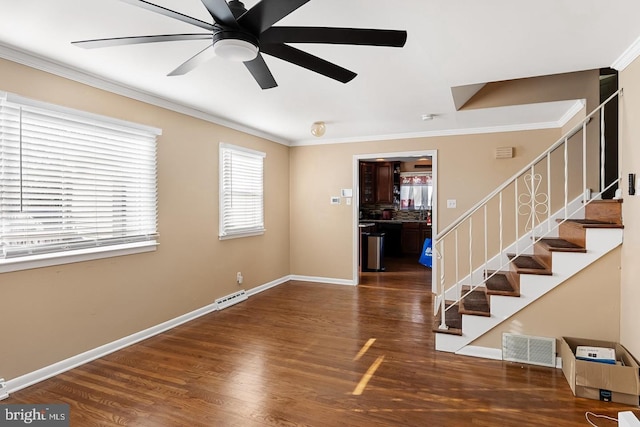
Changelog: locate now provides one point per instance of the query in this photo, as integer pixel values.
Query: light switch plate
(335, 200)
(451, 203)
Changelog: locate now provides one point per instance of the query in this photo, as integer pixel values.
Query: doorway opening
(395, 210)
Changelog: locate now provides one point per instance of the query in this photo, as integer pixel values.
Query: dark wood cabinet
(384, 183)
(379, 183)
(413, 235)
(425, 233)
(367, 183)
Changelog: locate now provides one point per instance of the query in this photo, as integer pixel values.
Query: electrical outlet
(451, 203)
(239, 278)
(3, 389)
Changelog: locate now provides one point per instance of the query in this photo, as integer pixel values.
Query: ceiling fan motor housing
(235, 45)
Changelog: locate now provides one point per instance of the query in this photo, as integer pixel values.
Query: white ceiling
(450, 43)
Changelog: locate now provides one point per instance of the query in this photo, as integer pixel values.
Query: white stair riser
(565, 264)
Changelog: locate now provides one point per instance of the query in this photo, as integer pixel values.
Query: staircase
(527, 237)
(530, 276)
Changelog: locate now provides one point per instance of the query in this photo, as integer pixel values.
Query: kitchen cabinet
(384, 183)
(392, 237)
(367, 183)
(413, 235)
(380, 183)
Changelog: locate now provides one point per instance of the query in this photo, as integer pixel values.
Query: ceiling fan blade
(123, 41)
(308, 61)
(267, 12)
(353, 36)
(220, 12)
(170, 13)
(259, 70)
(199, 58)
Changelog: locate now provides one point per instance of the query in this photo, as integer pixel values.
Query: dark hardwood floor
(309, 354)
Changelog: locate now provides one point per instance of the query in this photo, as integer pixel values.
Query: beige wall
(558, 87)
(56, 312)
(630, 163)
(585, 306)
(322, 234)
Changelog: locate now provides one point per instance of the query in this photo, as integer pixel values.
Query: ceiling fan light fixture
(318, 129)
(235, 50)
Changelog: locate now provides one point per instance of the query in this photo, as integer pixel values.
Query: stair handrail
(508, 182)
(497, 191)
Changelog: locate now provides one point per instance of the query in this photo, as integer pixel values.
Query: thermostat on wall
(346, 192)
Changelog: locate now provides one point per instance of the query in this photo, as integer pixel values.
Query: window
(73, 182)
(241, 192)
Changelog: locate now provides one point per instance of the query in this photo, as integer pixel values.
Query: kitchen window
(416, 191)
(241, 192)
(73, 185)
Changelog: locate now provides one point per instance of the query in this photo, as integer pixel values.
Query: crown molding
(43, 64)
(628, 56)
(574, 109)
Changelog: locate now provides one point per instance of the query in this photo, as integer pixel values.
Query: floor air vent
(231, 299)
(525, 349)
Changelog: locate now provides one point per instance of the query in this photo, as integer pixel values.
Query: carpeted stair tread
(526, 261)
(528, 264)
(591, 223)
(499, 284)
(561, 245)
(453, 319)
(475, 302)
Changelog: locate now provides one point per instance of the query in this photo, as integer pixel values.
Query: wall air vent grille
(504, 153)
(532, 350)
(231, 299)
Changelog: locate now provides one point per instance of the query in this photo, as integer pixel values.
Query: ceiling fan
(242, 35)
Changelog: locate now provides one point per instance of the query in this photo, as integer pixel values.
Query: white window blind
(241, 192)
(71, 180)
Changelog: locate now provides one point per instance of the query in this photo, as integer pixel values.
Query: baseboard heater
(526, 349)
(231, 299)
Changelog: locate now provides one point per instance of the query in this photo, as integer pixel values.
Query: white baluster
(471, 250)
(457, 268)
(443, 290)
(516, 201)
(533, 203)
(603, 184)
(584, 164)
(486, 252)
(566, 178)
(549, 192)
(500, 209)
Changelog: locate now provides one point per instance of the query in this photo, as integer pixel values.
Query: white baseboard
(57, 368)
(254, 291)
(482, 352)
(326, 280)
(490, 353)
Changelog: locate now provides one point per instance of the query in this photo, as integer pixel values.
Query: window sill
(239, 235)
(59, 258)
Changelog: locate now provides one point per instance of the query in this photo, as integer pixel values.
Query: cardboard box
(600, 381)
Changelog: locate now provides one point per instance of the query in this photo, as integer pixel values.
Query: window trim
(222, 235)
(45, 259)
(68, 257)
